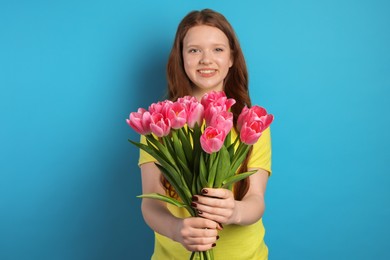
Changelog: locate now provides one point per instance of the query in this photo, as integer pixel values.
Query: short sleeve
(261, 153)
(144, 157)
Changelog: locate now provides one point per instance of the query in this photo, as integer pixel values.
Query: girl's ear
(231, 61)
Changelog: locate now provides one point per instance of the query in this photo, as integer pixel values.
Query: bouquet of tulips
(191, 141)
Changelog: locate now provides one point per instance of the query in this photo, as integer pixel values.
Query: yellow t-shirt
(235, 242)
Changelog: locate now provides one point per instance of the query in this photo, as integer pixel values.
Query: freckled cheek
(189, 70)
(191, 62)
(224, 60)
(190, 65)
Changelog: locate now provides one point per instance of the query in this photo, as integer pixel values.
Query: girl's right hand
(197, 234)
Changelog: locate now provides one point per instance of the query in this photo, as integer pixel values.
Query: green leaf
(167, 199)
(187, 147)
(144, 147)
(209, 254)
(169, 168)
(232, 146)
(233, 179)
(199, 185)
(223, 167)
(195, 168)
(174, 179)
(186, 172)
(194, 188)
(181, 158)
(159, 156)
(185, 188)
(178, 183)
(196, 155)
(161, 148)
(239, 157)
(203, 173)
(228, 139)
(168, 144)
(196, 133)
(213, 164)
(193, 255)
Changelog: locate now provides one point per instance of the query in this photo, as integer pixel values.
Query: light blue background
(71, 72)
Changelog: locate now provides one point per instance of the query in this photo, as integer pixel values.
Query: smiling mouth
(207, 72)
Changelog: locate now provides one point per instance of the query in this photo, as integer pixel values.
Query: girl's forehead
(205, 33)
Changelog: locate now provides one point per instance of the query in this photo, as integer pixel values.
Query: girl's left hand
(216, 204)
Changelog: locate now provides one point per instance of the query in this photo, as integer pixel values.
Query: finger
(212, 202)
(216, 218)
(203, 233)
(217, 193)
(199, 248)
(201, 209)
(204, 241)
(202, 223)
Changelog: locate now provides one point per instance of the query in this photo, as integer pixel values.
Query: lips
(207, 72)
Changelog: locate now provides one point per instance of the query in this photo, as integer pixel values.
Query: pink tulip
(160, 107)
(140, 121)
(266, 120)
(223, 121)
(211, 97)
(212, 139)
(211, 111)
(242, 117)
(214, 103)
(217, 98)
(195, 114)
(194, 109)
(254, 113)
(187, 100)
(251, 132)
(177, 115)
(160, 126)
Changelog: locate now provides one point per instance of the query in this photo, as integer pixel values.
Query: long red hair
(235, 83)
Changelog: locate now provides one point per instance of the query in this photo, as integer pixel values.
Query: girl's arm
(219, 204)
(195, 234)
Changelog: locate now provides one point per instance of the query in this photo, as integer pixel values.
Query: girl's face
(207, 58)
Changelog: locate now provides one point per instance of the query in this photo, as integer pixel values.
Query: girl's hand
(197, 234)
(216, 204)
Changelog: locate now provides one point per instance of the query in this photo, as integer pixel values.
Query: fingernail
(213, 245)
(204, 191)
(220, 225)
(217, 237)
(195, 198)
(199, 212)
(193, 204)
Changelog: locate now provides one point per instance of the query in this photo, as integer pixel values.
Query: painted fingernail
(220, 225)
(195, 198)
(204, 191)
(217, 237)
(213, 245)
(193, 205)
(199, 212)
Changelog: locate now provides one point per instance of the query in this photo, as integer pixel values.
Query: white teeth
(206, 71)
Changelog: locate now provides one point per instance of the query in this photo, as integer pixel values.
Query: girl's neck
(198, 95)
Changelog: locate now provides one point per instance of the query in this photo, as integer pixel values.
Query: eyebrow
(197, 45)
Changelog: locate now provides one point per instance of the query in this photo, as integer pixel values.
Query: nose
(205, 59)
